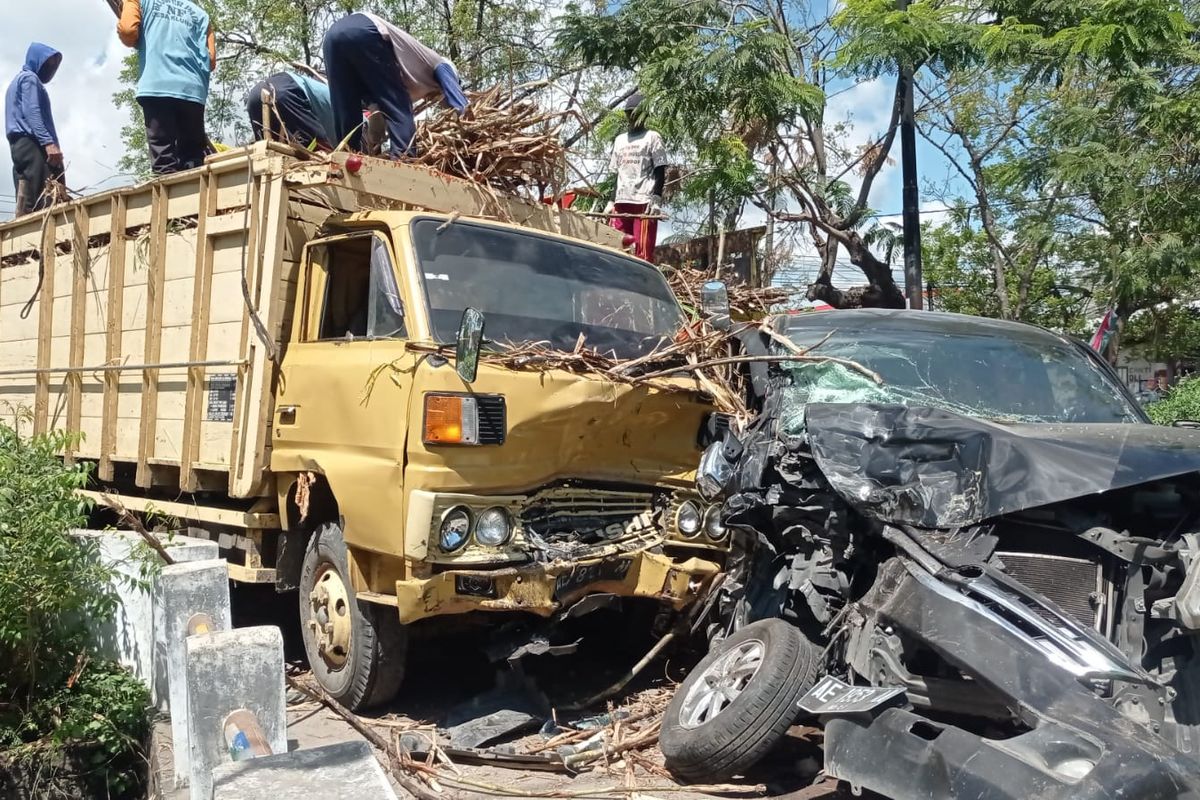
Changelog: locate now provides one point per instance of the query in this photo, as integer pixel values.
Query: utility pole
(912, 199)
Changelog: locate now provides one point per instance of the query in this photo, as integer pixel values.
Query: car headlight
(494, 527)
(455, 529)
(688, 519)
(713, 527)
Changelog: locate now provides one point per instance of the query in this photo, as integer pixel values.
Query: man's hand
(467, 114)
(54, 155)
(611, 208)
(655, 208)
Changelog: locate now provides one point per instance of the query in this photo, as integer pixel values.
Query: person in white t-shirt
(639, 160)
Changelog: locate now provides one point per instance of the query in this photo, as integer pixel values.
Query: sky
(89, 123)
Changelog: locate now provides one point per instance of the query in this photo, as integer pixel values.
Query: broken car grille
(590, 516)
(1075, 585)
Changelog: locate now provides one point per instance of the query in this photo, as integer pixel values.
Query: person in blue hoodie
(177, 52)
(300, 106)
(29, 127)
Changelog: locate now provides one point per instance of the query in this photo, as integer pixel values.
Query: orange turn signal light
(451, 419)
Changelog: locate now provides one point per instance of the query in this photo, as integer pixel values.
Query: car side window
(361, 299)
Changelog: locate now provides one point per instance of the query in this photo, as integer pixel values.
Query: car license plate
(616, 569)
(831, 696)
(475, 586)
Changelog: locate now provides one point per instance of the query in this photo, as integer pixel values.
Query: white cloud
(89, 124)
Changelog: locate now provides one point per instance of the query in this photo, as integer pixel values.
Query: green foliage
(1182, 402)
(878, 36)
(1170, 332)
(52, 585)
(54, 592)
(719, 84)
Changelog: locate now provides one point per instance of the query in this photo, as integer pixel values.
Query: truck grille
(493, 418)
(591, 515)
(1076, 585)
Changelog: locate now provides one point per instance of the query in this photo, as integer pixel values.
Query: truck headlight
(688, 519)
(455, 529)
(713, 527)
(494, 527)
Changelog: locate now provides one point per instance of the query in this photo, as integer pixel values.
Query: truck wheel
(739, 701)
(356, 649)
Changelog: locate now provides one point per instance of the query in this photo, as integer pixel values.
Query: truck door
(344, 386)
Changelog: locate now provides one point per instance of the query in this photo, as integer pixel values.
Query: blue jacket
(26, 104)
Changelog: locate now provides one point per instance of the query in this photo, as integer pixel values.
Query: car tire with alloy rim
(356, 649)
(739, 701)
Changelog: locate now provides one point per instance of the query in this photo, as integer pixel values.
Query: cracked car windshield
(984, 376)
(536, 289)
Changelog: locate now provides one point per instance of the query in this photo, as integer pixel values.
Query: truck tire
(356, 649)
(739, 701)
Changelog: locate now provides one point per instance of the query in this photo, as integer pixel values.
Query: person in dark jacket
(29, 127)
(299, 106)
(371, 61)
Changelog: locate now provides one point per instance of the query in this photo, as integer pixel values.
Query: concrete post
(184, 549)
(343, 771)
(188, 590)
(230, 672)
(131, 636)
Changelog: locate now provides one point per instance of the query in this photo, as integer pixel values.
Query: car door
(345, 382)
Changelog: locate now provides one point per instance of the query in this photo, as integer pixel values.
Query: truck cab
(414, 487)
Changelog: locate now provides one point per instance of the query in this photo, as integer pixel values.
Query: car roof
(899, 321)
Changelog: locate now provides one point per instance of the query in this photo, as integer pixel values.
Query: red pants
(641, 234)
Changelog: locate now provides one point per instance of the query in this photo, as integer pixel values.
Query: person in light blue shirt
(299, 110)
(177, 53)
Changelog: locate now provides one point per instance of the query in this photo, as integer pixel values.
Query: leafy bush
(54, 590)
(1182, 402)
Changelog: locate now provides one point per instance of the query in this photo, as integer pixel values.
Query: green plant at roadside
(1182, 402)
(55, 590)
(52, 585)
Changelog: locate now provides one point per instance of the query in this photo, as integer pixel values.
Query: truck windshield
(989, 377)
(537, 289)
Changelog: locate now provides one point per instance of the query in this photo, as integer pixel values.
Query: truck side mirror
(714, 303)
(470, 340)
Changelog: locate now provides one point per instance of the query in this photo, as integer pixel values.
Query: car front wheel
(739, 701)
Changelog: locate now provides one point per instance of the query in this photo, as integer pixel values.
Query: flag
(1104, 333)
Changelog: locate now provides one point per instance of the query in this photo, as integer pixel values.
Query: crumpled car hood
(930, 468)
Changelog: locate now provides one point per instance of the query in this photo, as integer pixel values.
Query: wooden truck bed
(123, 315)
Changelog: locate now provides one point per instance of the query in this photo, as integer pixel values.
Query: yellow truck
(284, 353)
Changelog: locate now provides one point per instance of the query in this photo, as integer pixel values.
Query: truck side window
(362, 299)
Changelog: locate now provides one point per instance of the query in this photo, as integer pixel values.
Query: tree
(743, 86)
(1071, 125)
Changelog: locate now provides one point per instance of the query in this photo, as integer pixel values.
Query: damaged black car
(960, 545)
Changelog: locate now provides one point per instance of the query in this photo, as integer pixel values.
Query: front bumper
(543, 589)
(1079, 745)
(935, 760)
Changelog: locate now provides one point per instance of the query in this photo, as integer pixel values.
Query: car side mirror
(1186, 423)
(714, 303)
(470, 341)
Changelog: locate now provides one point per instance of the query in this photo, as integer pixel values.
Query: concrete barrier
(186, 591)
(343, 771)
(227, 672)
(130, 637)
